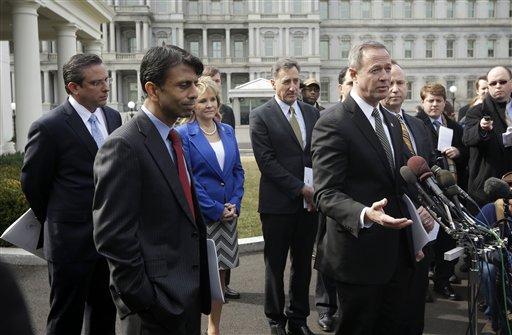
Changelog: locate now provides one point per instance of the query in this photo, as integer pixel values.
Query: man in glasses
(490, 156)
(57, 179)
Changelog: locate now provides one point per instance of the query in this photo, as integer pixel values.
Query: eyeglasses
(501, 82)
(97, 83)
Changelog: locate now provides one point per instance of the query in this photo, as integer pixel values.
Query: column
(104, 36)
(502, 10)
(145, 36)
(310, 38)
(418, 9)
(257, 41)
(398, 8)
(66, 47)
(180, 6)
(205, 43)
(317, 41)
(6, 122)
(481, 9)
(461, 11)
(440, 9)
(93, 46)
(228, 83)
(113, 89)
(112, 33)
(376, 9)
(46, 89)
(27, 69)
(228, 43)
(137, 36)
(287, 41)
(251, 42)
(139, 89)
(181, 38)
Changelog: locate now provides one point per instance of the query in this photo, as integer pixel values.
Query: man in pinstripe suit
(146, 219)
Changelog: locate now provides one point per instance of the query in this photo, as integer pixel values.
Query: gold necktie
(405, 135)
(295, 126)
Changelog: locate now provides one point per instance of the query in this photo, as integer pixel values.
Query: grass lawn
(249, 223)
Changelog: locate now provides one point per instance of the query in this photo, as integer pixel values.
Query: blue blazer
(214, 187)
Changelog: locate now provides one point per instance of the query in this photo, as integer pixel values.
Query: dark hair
(72, 71)
(210, 71)
(159, 60)
(341, 76)
(284, 63)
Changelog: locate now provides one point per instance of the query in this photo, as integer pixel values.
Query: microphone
(420, 168)
(496, 189)
(447, 180)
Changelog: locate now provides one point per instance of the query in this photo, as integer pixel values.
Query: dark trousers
(326, 296)
(294, 232)
(443, 269)
(377, 309)
(189, 323)
(79, 295)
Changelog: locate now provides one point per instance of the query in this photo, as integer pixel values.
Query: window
(344, 8)
(389, 45)
(238, 7)
(429, 49)
(297, 6)
(215, 7)
(409, 90)
(492, 8)
(450, 9)
(365, 9)
(408, 9)
(297, 45)
(449, 48)
(491, 44)
(239, 49)
(471, 8)
(408, 49)
(267, 6)
(429, 9)
(324, 9)
(510, 47)
(387, 9)
(193, 7)
(324, 49)
(216, 49)
(194, 48)
(471, 48)
(345, 48)
(324, 89)
(470, 88)
(269, 46)
(132, 44)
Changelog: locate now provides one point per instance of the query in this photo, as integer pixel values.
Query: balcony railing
(269, 59)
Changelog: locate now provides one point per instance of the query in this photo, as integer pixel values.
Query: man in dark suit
(310, 90)
(367, 246)
(417, 140)
(57, 180)
(454, 159)
(281, 137)
(485, 124)
(147, 222)
(228, 117)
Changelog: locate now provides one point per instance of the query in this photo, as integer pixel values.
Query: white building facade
(447, 41)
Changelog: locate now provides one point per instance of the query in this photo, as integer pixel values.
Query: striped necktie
(295, 126)
(405, 135)
(95, 131)
(381, 134)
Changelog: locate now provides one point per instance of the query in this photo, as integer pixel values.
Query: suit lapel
(160, 154)
(229, 151)
(109, 117)
(78, 126)
(204, 148)
(396, 139)
(369, 133)
(281, 119)
(308, 122)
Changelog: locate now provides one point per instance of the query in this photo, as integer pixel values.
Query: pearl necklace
(210, 133)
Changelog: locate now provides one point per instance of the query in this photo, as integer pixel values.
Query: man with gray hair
(281, 137)
(366, 246)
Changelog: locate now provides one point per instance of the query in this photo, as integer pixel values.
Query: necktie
(405, 135)
(95, 131)
(437, 125)
(182, 169)
(379, 130)
(295, 126)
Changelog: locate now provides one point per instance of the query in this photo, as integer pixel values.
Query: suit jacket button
(222, 184)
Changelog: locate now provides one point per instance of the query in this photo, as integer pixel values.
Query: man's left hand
(452, 152)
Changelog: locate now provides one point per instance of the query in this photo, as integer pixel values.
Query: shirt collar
(162, 128)
(439, 119)
(84, 112)
(365, 107)
(285, 107)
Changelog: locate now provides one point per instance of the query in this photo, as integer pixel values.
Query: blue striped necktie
(95, 131)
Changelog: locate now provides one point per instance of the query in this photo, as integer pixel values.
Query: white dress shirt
(285, 108)
(85, 115)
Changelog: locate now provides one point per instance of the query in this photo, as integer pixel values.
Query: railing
(269, 59)
(240, 59)
(125, 56)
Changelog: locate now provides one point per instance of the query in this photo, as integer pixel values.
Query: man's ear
(151, 90)
(273, 83)
(72, 87)
(353, 73)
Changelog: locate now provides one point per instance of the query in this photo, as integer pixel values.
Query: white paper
(420, 237)
(24, 233)
(213, 269)
(308, 181)
(507, 137)
(445, 138)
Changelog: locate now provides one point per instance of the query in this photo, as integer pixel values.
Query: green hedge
(12, 200)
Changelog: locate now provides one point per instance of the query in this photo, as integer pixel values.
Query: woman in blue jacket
(212, 152)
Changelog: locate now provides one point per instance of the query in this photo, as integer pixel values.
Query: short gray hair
(284, 63)
(355, 57)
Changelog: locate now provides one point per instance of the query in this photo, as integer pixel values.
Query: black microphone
(448, 180)
(496, 189)
(420, 168)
